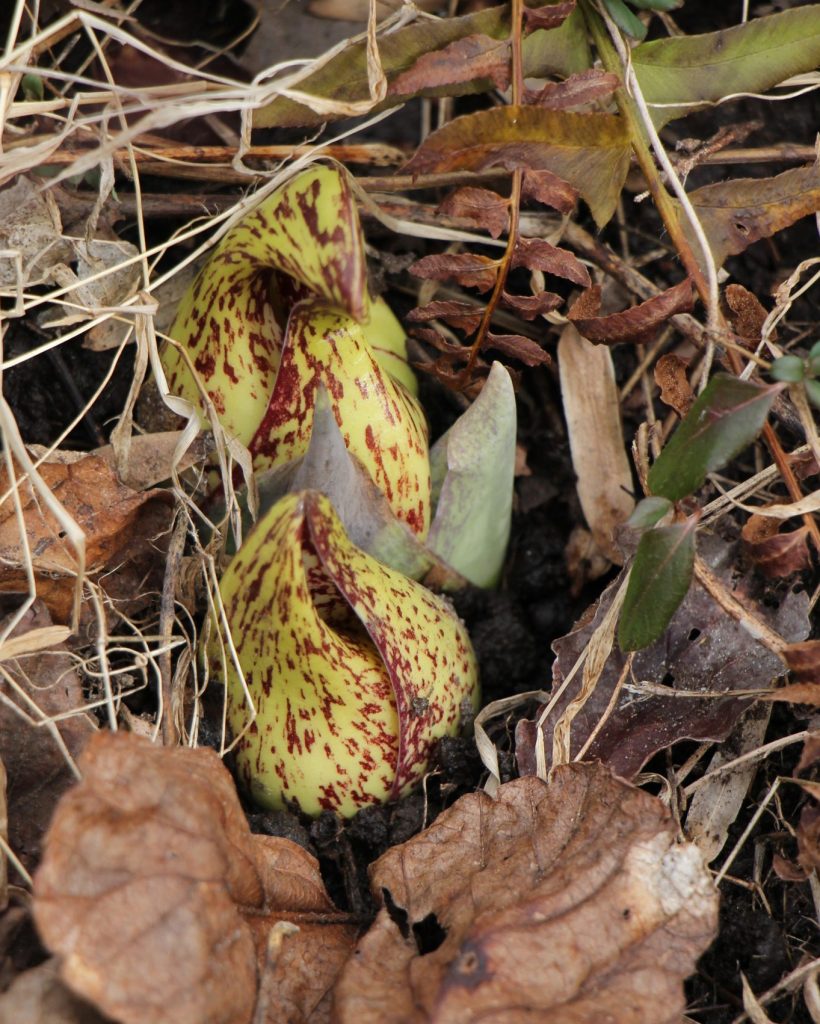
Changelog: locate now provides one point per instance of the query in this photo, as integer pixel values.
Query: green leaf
(590, 151)
(814, 359)
(649, 512)
(625, 19)
(726, 417)
(789, 369)
(752, 57)
(561, 51)
(658, 582)
(32, 86)
(472, 467)
(656, 5)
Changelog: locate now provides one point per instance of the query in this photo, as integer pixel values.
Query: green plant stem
(665, 206)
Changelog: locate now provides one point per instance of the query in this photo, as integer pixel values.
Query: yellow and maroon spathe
(281, 308)
(356, 671)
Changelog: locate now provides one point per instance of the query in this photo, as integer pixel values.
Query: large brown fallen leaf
(37, 685)
(703, 650)
(569, 902)
(119, 525)
(164, 908)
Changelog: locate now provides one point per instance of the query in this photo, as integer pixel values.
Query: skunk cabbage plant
(281, 309)
(355, 670)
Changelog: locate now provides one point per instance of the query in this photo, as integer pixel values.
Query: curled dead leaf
(776, 554)
(543, 186)
(746, 314)
(676, 391)
(531, 306)
(515, 346)
(464, 315)
(548, 16)
(149, 861)
(638, 324)
(569, 902)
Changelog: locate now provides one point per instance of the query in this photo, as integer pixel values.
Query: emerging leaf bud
(355, 671)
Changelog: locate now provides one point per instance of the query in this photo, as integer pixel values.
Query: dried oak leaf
(575, 91)
(776, 554)
(536, 254)
(464, 315)
(38, 684)
(637, 324)
(569, 902)
(118, 523)
(467, 269)
(149, 862)
(676, 391)
(703, 649)
(482, 206)
(530, 306)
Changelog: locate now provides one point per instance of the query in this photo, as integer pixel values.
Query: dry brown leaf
(808, 838)
(485, 208)
(151, 458)
(796, 693)
(36, 687)
(516, 346)
(593, 414)
(746, 314)
(810, 755)
(548, 16)
(531, 306)
(475, 56)
(575, 91)
(703, 650)
(464, 315)
(676, 391)
(545, 187)
(569, 902)
(110, 514)
(149, 862)
(638, 324)
(776, 554)
(37, 996)
(537, 254)
(466, 269)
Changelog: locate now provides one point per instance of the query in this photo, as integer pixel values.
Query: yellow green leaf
(355, 671)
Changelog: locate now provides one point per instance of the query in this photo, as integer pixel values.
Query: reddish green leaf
(590, 151)
(727, 416)
(658, 582)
